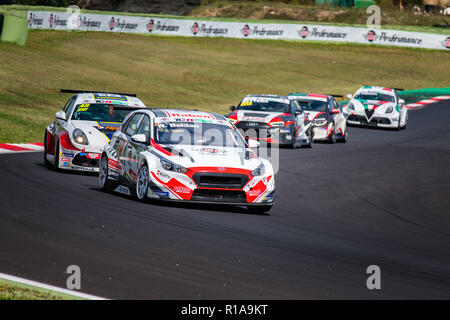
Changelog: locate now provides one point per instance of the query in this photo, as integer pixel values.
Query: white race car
(376, 107)
(185, 155)
(75, 139)
(326, 115)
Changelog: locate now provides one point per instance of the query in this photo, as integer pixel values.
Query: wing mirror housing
(232, 108)
(61, 115)
(139, 138)
(401, 101)
(349, 96)
(253, 143)
(334, 111)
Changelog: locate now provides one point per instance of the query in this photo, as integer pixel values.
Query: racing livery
(377, 107)
(272, 118)
(75, 139)
(185, 155)
(327, 117)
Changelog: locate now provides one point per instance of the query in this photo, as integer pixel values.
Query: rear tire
(259, 209)
(333, 135)
(103, 181)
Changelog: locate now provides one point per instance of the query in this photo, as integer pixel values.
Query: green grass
(10, 290)
(204, 73)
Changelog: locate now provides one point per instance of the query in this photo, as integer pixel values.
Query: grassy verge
(204, 73)
(10, 290)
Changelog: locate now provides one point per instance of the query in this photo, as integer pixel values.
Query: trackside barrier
(58, 20)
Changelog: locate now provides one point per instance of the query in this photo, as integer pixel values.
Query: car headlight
(277, 124)
(79, 137)
(351, 106)
(259, 171)
(169, 165)
(319, 122)
(389, 109)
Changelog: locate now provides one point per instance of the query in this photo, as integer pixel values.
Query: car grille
(374, 121)
(219, 195)
(83, 161)
(223, 180)
(252, 125)
(251, 114)
(369, 113)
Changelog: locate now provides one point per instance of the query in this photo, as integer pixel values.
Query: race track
(383, 198)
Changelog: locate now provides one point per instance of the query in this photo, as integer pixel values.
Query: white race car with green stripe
(376, 107)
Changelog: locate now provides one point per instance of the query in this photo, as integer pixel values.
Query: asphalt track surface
(382, 198)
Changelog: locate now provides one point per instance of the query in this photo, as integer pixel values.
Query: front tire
(142, 182)
(332, 139)
(103, 181)
(46, 162)
(57, 151)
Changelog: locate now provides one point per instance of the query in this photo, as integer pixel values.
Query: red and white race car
(185, 155)
(75, 139)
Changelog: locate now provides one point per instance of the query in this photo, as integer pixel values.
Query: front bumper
(211, 187)
(264, 132)
(375, 121)
(79, 160)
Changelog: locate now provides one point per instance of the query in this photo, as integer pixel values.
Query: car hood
(205, 156)
(315, 114)
(373, 105)
(257, 116)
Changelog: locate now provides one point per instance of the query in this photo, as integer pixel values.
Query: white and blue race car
(376, 107)
(186, 155)
(77, 136)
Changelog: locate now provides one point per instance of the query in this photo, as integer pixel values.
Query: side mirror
(349, 96)
(298, 112)
(334, 111)
(253, 143)
(232, 108)
(139, 138)
(61, 115)
(401, 101)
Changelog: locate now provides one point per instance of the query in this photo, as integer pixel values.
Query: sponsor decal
(88, 23)
(65, 159)
(391, 39)
(162, 174)
(67, 155)
(371, 36)
(194, 28)
(304, 32)
(447, 43)
(34, 20)
(91, 155)
(181, 189)
(121, 24)
(260, 31)
(160, 193)
(316, 33)
(108, 96)
(254, 193)
(161, 26)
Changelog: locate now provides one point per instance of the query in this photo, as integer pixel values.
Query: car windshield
(374, 96)
(101, 112)
(313, 105)
(191, 133)
(265, 105)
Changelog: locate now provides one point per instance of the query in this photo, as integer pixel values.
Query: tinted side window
(144, 128)
(133, 124)
(69, 106)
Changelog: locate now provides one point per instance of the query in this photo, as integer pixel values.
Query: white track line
(425, 102)
(49, 287)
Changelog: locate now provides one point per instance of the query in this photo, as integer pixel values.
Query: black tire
(46, 162)
(56, 164)
(104, 183)
(259, 209)
(293, 144)
(345, 137)
(332, 139)
(142, 183)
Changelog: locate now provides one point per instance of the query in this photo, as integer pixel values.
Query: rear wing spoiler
(91, 91)
(337, 95)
